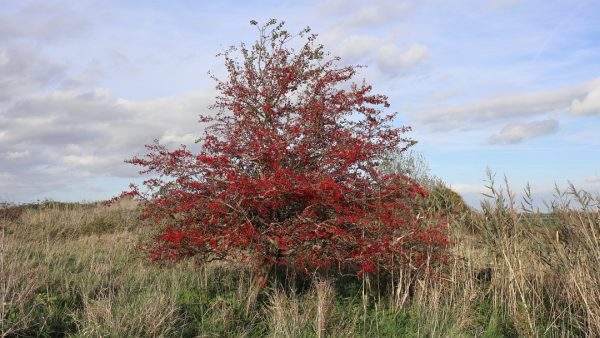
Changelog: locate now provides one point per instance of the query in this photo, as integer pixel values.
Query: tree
(288, 172)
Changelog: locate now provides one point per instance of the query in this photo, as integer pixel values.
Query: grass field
(75, 269)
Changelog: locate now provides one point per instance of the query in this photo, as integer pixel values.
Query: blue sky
(505, 84)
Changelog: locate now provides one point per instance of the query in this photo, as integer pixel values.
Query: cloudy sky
(505, 84)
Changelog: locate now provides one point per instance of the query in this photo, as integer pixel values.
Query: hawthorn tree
(289, 171)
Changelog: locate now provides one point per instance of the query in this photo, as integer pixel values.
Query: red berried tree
(288, 172)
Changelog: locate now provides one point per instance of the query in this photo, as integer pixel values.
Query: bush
(441, 200)
(288, 172)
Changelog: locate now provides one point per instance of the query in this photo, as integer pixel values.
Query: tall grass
(515, 270)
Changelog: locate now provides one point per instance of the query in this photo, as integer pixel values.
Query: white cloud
(40, 21)
(86, 160)
(356, 47)
(57, 138)
(393, 60)
(463, 188)
(388, 56)
(15, 155)
(177, 138)
(379, 12)
(25, 70)
(517, 132)
(468, 116)
(589, 105)
(4, 59)
(357, 14)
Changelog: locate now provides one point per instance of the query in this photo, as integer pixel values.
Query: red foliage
(288, 171)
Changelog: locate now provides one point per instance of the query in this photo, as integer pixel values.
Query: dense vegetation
(75, 269)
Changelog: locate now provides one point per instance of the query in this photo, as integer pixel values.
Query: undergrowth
(77, 270)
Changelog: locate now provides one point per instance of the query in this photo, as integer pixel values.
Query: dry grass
(76, 270)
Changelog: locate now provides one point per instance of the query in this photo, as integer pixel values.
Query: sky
(513, 86)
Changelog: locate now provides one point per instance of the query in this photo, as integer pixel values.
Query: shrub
(441, 200)
(288, 171)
